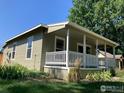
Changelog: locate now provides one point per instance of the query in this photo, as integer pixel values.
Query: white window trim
(80, 44)
(32, 37)
(14, 51)
(61, 38)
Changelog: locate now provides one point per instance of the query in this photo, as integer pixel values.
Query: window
(9, 56)
(29, 47)
(80, 48)
(59, 43)
(13, 51)
(88, 49)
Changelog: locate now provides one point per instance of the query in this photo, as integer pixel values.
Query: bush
(13, 72)
(38, 74)
(113, 72)
(17, 71)
(99, 76)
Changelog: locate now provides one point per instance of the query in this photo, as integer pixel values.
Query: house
(119, 61)
(54, 48)
(102, 59)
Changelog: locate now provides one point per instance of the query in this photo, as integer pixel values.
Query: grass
(120, 74)
(30, 86)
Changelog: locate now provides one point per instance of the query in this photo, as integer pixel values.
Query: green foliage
(99, 76)
(113, 72)
(84, 72)
(10, 72)
(13, 72)
(105, 17)
(38, 74)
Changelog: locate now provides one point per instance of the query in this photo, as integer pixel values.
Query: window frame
(28, 39)
(80, 44)
(14, 44)
(60, 38)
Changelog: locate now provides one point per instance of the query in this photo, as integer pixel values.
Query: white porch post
(106, 64)
(114, 55)
(67, 48)
(84, 50)
(114, 52)
(97, 53)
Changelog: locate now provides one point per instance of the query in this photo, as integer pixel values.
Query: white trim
(61, 38)
(91, 68)
(58, 67)
(26, 32)
(32, 38)
(67, 48)
(80, 44)
(56, 63)
(84, 50)
(97, 60)
(105, 55)
(114, 52)
(57, 24)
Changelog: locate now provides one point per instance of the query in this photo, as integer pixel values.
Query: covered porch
(71, 44)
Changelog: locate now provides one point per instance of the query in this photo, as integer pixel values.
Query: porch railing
(73, 56)
(56, 58)
(91, 60)
(59, 58)
(110, 62)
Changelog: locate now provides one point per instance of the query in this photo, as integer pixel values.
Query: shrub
(13, 72)
(38, 74)
(17, 71)
(113, 72)
(105, 75)
(99, 76)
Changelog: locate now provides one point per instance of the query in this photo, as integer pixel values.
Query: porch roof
(83, 29)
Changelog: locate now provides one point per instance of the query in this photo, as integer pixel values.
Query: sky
(17, 16)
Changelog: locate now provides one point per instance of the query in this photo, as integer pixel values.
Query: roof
(102, 54)
(118, 56)
(93, 33)
(27, 31)
(85, 30)
(64, 24)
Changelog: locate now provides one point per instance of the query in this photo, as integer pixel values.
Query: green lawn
(51, 87)
(120, 74)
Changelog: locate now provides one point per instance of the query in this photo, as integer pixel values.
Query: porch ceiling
(77, 34)
(77, 31)
(92, 34)
(89, 37)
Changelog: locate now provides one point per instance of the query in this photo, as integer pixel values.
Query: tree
(105, 17)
